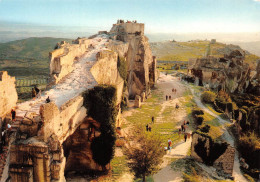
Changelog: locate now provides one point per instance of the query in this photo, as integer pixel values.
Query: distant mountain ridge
(183, 51)
(26, 57)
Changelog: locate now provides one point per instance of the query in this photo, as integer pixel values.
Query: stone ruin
(54, 138)
(228, 72)
(224, 163)
(129, 41)
(63, 57)
(8, 94)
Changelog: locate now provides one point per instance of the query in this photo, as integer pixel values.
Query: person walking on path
(182, 127)
(185, 137)
(150, 127)
(48, 99)
(13, 113)
(147, 127)
(166, 97)
(170, 97)
(169, 145)
(33, 93)
(152, 119)
(177, 106)
(179, 132)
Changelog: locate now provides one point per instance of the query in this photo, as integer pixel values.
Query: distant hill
(27, 57)
(253, 47)
(183, 51)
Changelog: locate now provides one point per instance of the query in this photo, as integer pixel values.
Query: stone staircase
(4, 155)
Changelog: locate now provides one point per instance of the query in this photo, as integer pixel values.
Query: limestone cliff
(140, 62)
(58, 136)
(8, 94)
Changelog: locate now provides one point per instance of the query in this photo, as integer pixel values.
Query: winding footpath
(226, 136)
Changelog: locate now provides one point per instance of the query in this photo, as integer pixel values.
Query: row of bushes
(197, 115)
(245, 104)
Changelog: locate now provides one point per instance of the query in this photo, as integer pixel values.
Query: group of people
(6, 130)
(166, 97)
(149, 125)
(36, 92)
(174, 90)
(184, 125)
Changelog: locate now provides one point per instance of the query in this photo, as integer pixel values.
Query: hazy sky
(165, 16)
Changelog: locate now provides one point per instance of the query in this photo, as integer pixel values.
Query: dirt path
(166, 84)
(166, 174)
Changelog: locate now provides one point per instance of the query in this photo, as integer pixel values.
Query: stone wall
(224, 163)
(128, 28)
(105, 71)
(8, 94)
(61, 122)
(62, 58)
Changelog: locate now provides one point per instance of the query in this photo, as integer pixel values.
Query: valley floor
(167, 122)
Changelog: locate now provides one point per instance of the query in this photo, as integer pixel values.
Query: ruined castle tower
(141, 64)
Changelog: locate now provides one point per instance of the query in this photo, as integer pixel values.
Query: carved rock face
(77, 148)
(140, 62)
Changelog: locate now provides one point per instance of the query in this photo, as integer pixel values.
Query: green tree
(144, 153)
(101, 105)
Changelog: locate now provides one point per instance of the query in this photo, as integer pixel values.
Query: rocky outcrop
(64, 55)
(220, 155)
(59, 138)
(140, 62)
(105, 71)
(229, 72)
(8, 94)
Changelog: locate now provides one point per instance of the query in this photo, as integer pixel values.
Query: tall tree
(144, 153)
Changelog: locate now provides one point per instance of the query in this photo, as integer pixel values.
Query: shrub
(101, 105)
(199, 120)
(208, 97)
(122, 69)
(197, 112)
(205, 129)
(249, 147)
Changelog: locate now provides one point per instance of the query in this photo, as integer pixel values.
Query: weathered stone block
(137, 101)
(143, 97)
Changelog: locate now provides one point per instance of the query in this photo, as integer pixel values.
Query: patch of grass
(119, 166)
(148, 179)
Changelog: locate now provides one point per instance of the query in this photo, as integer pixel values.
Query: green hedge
(101, 105)
(208, 97)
